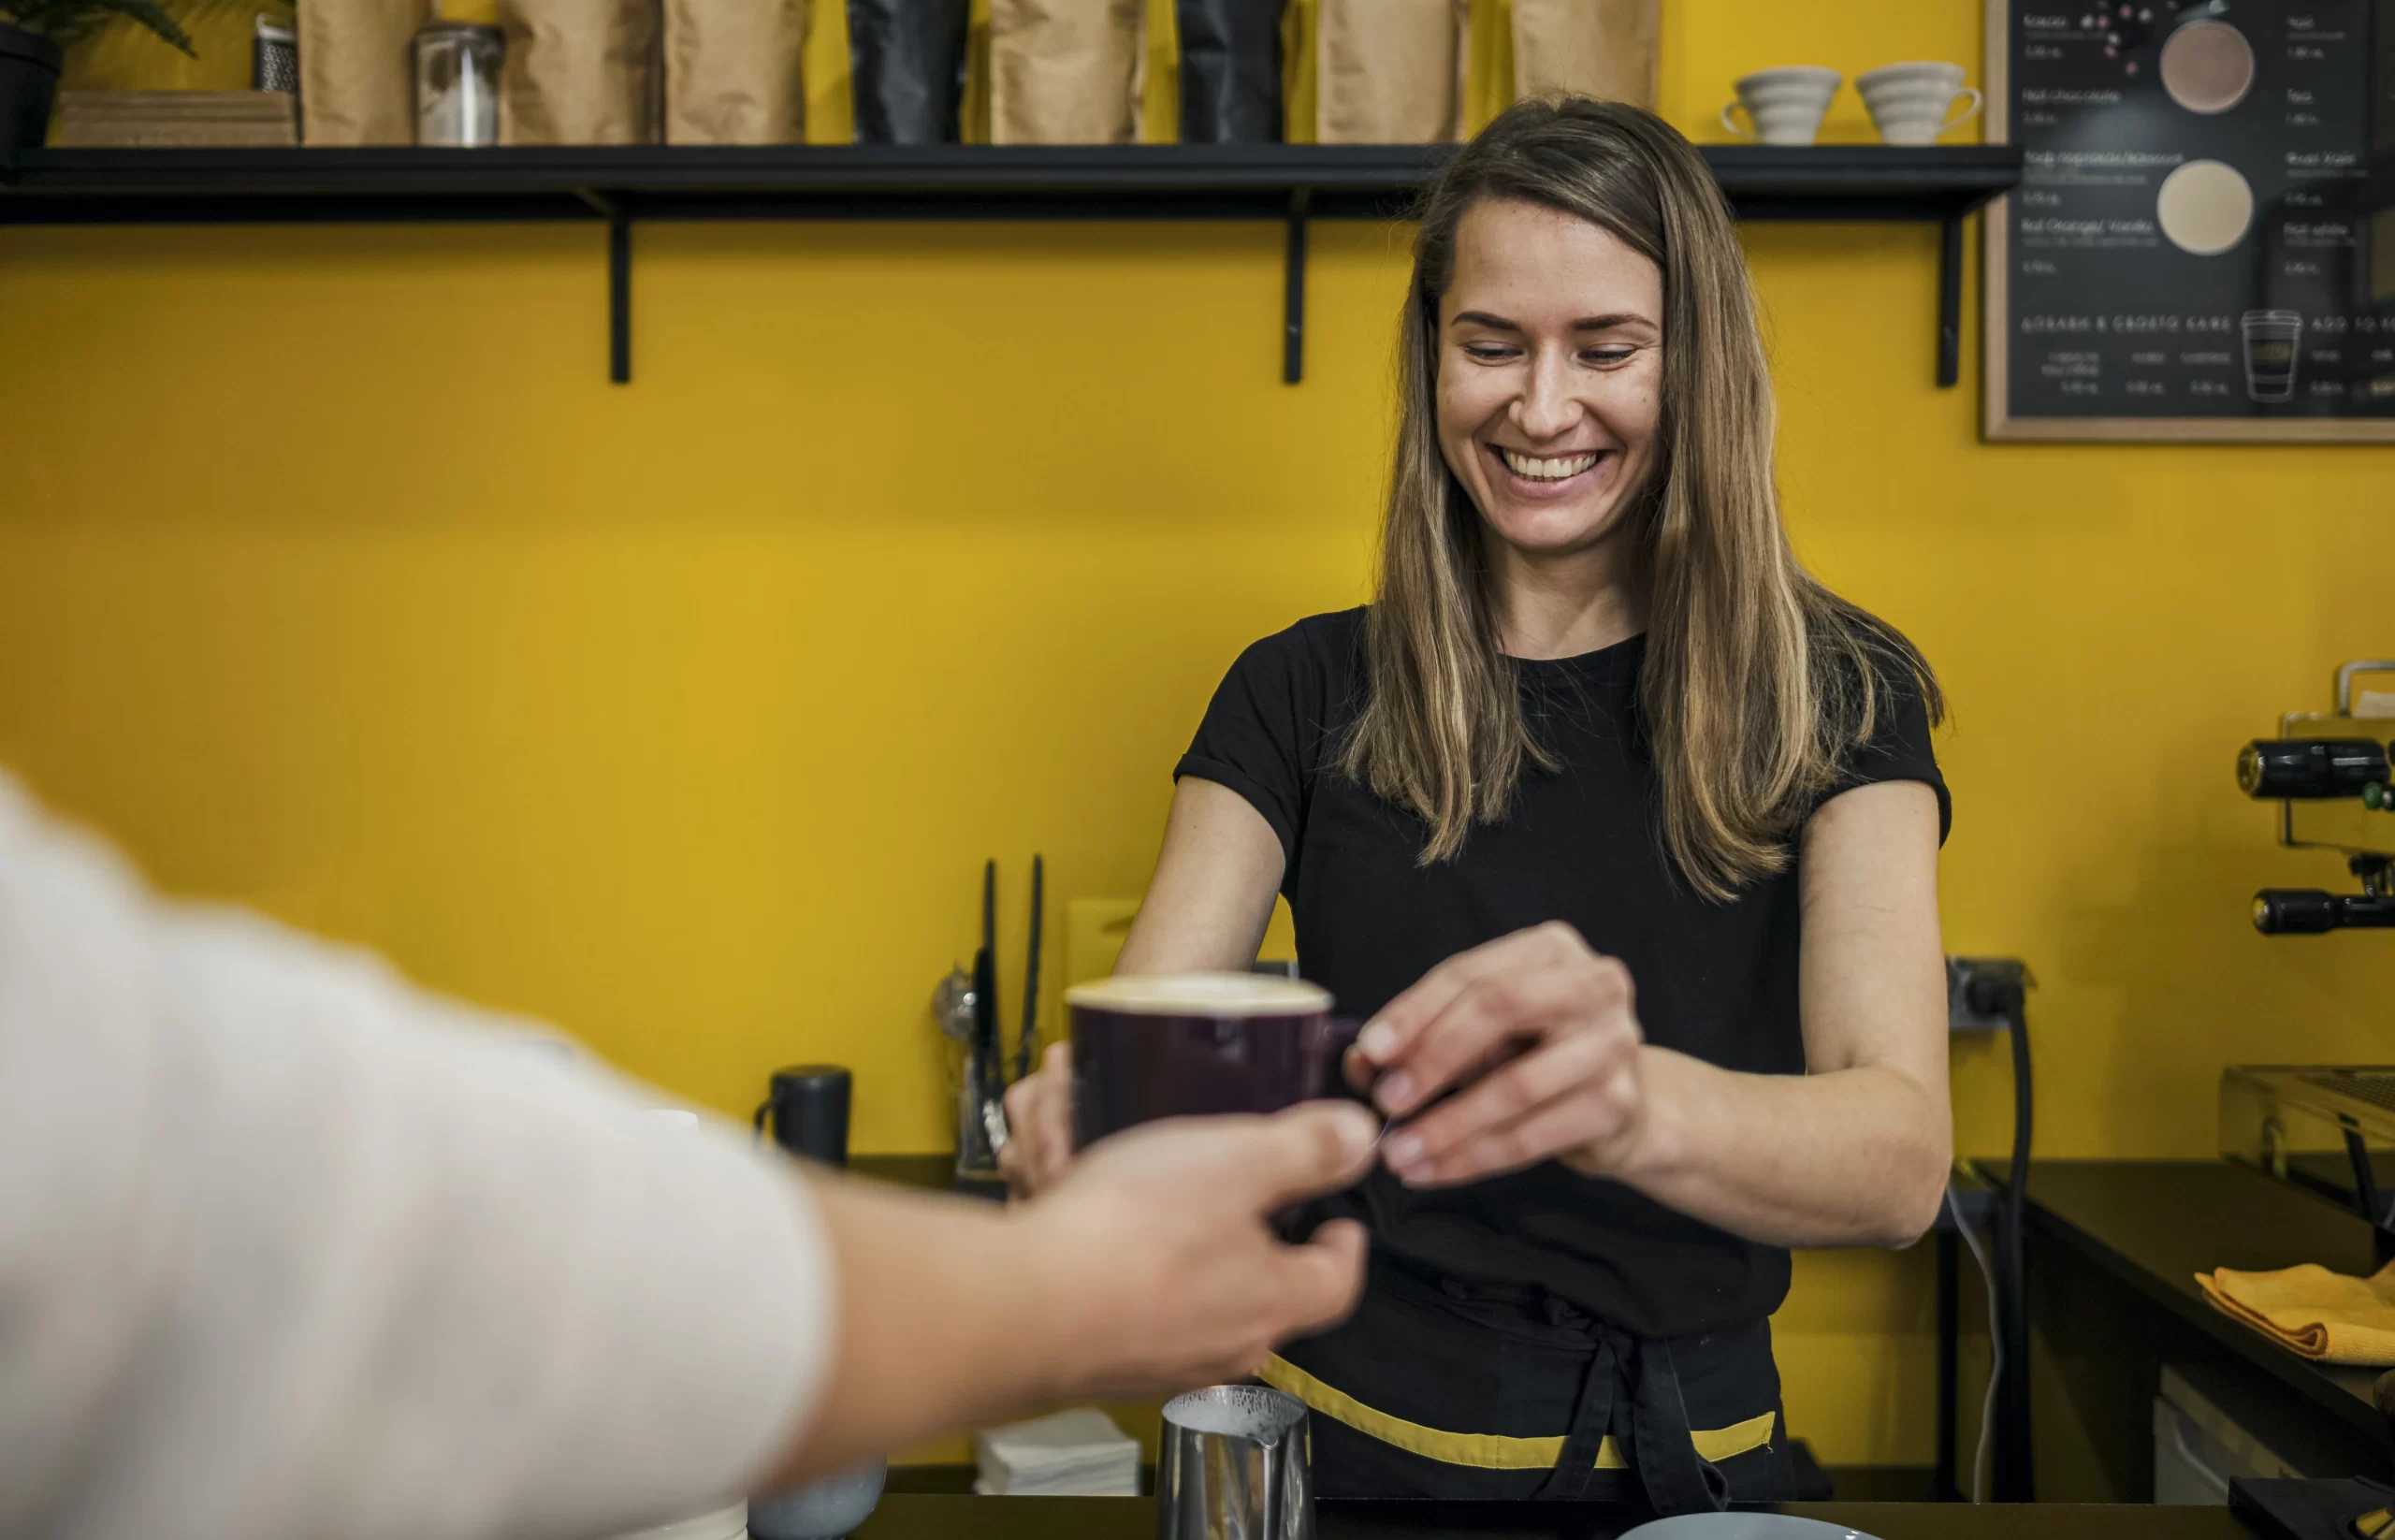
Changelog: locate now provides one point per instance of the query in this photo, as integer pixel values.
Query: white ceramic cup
(1910, 103)
(1785, 105)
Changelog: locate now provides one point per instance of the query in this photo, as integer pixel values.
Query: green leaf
(72, 20)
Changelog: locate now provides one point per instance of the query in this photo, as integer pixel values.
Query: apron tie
(1632, 1391)
(1593, 1418)
(1662, 1450)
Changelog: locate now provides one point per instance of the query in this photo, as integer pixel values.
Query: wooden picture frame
(1998, 424)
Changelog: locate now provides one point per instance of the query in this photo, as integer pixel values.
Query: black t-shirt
(1582, 845)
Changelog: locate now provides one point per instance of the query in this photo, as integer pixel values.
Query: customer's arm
(286, 1250)
(1148, 1269)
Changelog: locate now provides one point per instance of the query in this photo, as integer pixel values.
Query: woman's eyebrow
(1587, 323)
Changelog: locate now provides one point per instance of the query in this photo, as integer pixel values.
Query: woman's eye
(1488, 352)
(1610, 355)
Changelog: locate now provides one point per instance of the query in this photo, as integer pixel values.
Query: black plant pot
(28, 87)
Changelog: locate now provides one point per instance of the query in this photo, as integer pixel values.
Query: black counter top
(924, 1517)
(2155, 1224)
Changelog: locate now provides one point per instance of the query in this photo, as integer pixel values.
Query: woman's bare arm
(1211, 895)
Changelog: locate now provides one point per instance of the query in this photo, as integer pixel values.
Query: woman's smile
(1552, 476)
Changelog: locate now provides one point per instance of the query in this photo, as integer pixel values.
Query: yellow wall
(334, 576)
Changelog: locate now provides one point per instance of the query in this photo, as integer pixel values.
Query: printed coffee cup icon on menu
(1785, 105)
(2272, 338)
(1910, 103)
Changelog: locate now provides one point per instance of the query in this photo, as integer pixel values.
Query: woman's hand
(1538, 1038)
(1039, 1125)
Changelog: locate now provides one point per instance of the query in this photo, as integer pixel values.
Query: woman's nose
(1546, 408)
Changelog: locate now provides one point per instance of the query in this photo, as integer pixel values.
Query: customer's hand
(1537, 1036)
(1162, 1249)
(1040, 1125)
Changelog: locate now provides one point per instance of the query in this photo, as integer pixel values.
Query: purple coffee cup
(1195, 1044)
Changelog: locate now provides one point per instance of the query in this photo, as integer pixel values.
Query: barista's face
(1550, 374)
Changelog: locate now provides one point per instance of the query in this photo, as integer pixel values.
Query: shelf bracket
(1293, 297)
(619, 282)
(1950, 302)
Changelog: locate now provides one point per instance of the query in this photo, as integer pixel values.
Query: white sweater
(292, 1251)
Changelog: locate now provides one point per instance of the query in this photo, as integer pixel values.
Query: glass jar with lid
(456, 84)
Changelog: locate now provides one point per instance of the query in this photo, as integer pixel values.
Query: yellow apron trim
(1486, 1452)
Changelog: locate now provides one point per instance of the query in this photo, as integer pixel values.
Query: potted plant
(32, 35)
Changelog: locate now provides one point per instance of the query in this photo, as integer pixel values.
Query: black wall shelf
(1291, 183)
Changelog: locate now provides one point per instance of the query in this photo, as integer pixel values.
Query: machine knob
(2296, 911)
(2310, 768)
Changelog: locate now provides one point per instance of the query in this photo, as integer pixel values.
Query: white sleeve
(290, 1250)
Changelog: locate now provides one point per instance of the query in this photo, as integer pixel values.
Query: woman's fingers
(1560, 1125)
(1397, 1023)
(1039, 1111)
(1399, 1027)
(1525, 1000)
(1567, 1064)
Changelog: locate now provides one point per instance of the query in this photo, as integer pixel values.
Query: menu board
(2202, 245)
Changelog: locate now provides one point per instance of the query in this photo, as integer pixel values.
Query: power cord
(1994, 1347)
(1991, 994)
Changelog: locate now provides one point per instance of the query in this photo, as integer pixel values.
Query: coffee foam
(1200, 994)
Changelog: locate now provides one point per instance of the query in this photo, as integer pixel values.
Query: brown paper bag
(579, 72)
(1065, 71)
(733, 72)
(357, 71)
(1389, 71)
(1592, 48)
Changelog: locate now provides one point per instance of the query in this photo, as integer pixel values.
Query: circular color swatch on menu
(2207, 66)
(2205, 207)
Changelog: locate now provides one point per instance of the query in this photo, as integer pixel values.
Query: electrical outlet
(1986, 994)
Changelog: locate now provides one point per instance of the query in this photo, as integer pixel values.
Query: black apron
(1441, 1389)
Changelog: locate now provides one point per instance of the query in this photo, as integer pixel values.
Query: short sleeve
(1898, 747)
(1262, 734)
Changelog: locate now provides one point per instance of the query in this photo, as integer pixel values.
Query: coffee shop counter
(908, 1516)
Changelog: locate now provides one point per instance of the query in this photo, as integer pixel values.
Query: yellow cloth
(2333, 1317)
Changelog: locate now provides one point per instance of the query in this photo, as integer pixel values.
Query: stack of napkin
(2331, 1318)
(1072, 1454)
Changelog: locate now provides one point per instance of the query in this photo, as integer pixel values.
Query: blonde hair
(1757, 679)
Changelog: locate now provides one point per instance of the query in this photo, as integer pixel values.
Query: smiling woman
(1621, 828)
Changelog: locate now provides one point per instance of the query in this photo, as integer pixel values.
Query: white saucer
(1743, 1526)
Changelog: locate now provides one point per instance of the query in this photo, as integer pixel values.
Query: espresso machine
(2329, 1129)
(2328, 771)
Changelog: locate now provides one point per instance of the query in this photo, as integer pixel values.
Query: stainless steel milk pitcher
(1234, 1466)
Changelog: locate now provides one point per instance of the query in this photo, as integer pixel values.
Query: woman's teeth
(1532, 469)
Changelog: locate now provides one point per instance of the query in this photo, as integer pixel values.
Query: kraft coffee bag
(579, 72)
(356, 71)
(1230, 71)
(1389, 71)
(907, 69)
(1592, 48)
(732, 71)
(1065, 71)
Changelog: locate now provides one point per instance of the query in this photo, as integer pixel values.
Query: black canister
(907, 69)
(808, 1108)
(1230, 71)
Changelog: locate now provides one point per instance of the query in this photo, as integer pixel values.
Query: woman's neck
(1563, 605)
